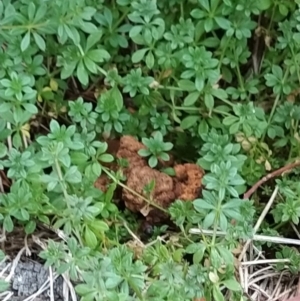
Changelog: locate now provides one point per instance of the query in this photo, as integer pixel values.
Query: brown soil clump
(188, 181)
(186, 185)
(163, 193)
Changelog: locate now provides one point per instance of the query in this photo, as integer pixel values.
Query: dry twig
(269, 176)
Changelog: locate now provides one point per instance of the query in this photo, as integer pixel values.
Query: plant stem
(61, 180)
(240, 77)
(217, 217)
(116, 25)
(170, 88)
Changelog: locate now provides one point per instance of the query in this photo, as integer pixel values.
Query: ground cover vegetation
(204, 88)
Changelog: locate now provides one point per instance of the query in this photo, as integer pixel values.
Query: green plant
(156, 149)
(216, 79)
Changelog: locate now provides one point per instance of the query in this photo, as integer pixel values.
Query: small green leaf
(188, 122)
(4, 286)
(25, 41)
(31, 108)
(209, 101)
(191, 98)
(8, 224)
(90, 238)
(150, 60)
(79, 158)
(96, 168)
(30, 227)
(186, 85)
(99, 226)
(93, 39)
(107, 158)
(264, 4)
(232, 284)
(152, 161)
(117, 97)
(217, 294)
(144, 152)
(39, 41)
(82, 74)
(82, 289)
(3, 150)
(139, 55)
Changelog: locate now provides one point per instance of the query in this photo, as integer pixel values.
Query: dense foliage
(215, 81)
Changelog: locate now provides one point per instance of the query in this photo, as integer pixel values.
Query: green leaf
(186, 85)
(150, 60)
(82, 74)
(203, 127)
(4, 286)
(93, 39)
(223, 22)
(209, 101)
(107, 158)
(88, 27)
(144, 152)
(99, 226)
(232, 284)
(79, 158)
(264, 4)
(201, 205)
(229, 120)
(198, 255)
(199, 83)
(97, 169)
(188, 122)
(30, 227)
(217, 294)
(98, 55)
(54, 126)
(169, 171)
(90, 238)
(90, 65)
(234, 128)
(139, 55)
(117, 97)
(152, 161)
(25, 41)
(82, 289)
(191, 98)
(73, 175)
(8, 224)
(3, 150)
(219, 93)
(31, 108)
(39, 41)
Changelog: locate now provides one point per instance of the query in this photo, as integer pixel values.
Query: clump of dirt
(185, 185)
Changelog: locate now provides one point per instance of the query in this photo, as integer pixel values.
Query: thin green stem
(116, 25)
(185, 234)
(102, 71)
(272, 17)
(61, 181)
(217, 217)
(27, 27)
(170, 88)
